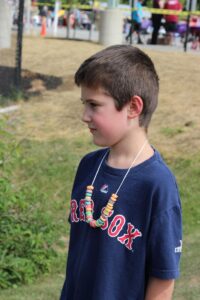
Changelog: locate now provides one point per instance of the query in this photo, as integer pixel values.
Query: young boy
(125, 239)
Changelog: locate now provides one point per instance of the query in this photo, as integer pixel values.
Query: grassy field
(53, 139)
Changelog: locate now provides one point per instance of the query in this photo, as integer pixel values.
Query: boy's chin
(100, 143)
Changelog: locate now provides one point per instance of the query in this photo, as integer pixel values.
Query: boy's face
(107, 125)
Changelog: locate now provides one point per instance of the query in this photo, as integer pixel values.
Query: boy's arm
(159, 289)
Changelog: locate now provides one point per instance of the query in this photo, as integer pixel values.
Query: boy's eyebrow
(88, 100)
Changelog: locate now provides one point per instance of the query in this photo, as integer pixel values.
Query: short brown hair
(123, 71)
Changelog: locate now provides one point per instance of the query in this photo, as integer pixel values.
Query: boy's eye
(89, 103)
(93, 104)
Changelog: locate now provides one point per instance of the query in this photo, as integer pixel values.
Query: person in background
(171, 21)
(156, 21)
(136, 22)
(85, 20)
(77, 15)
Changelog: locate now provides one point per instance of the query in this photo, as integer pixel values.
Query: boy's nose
(85, 116)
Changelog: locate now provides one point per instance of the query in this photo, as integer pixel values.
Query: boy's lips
(92, 129)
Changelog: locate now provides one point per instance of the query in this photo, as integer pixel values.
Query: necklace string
(132, 164)
(112, 200)
(99, 167)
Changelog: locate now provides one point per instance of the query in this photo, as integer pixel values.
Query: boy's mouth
(92, 130)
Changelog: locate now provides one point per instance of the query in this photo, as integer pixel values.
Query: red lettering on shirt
(128, 237)
(74, 206)
(113, 229)
(116, 225)
(82, 209)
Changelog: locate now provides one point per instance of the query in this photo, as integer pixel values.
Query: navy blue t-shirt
(142, 238)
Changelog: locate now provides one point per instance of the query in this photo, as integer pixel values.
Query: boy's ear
(135, 107)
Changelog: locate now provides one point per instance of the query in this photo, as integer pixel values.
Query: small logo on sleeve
(179, 248)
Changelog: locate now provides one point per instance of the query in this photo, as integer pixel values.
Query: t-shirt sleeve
(165, 244)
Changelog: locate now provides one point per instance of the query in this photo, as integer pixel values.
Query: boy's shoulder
(164, 184)
(157, 171)
(160, 184)
(160, 165)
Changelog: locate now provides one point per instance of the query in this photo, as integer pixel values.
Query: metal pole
(132, 7)
(92, 22)
(68, 18)
(28, 15)
(55, 23)
(19, 45)
(187, 26)
(68, 25)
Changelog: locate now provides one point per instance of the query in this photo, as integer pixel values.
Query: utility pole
(188, 26)
(28, 15)
(19, 45)
(55, 23)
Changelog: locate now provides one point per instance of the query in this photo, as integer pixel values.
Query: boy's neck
(122, 155)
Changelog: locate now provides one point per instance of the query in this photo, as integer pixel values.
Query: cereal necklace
(112, 200)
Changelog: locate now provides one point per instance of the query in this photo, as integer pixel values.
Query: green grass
(13, 96)
(36, 180)
(171, 132)
(187, 171)
(47, 287)
(49, 167)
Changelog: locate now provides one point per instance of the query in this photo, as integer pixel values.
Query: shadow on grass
(32, 83)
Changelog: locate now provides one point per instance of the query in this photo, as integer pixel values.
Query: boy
(125, 239)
